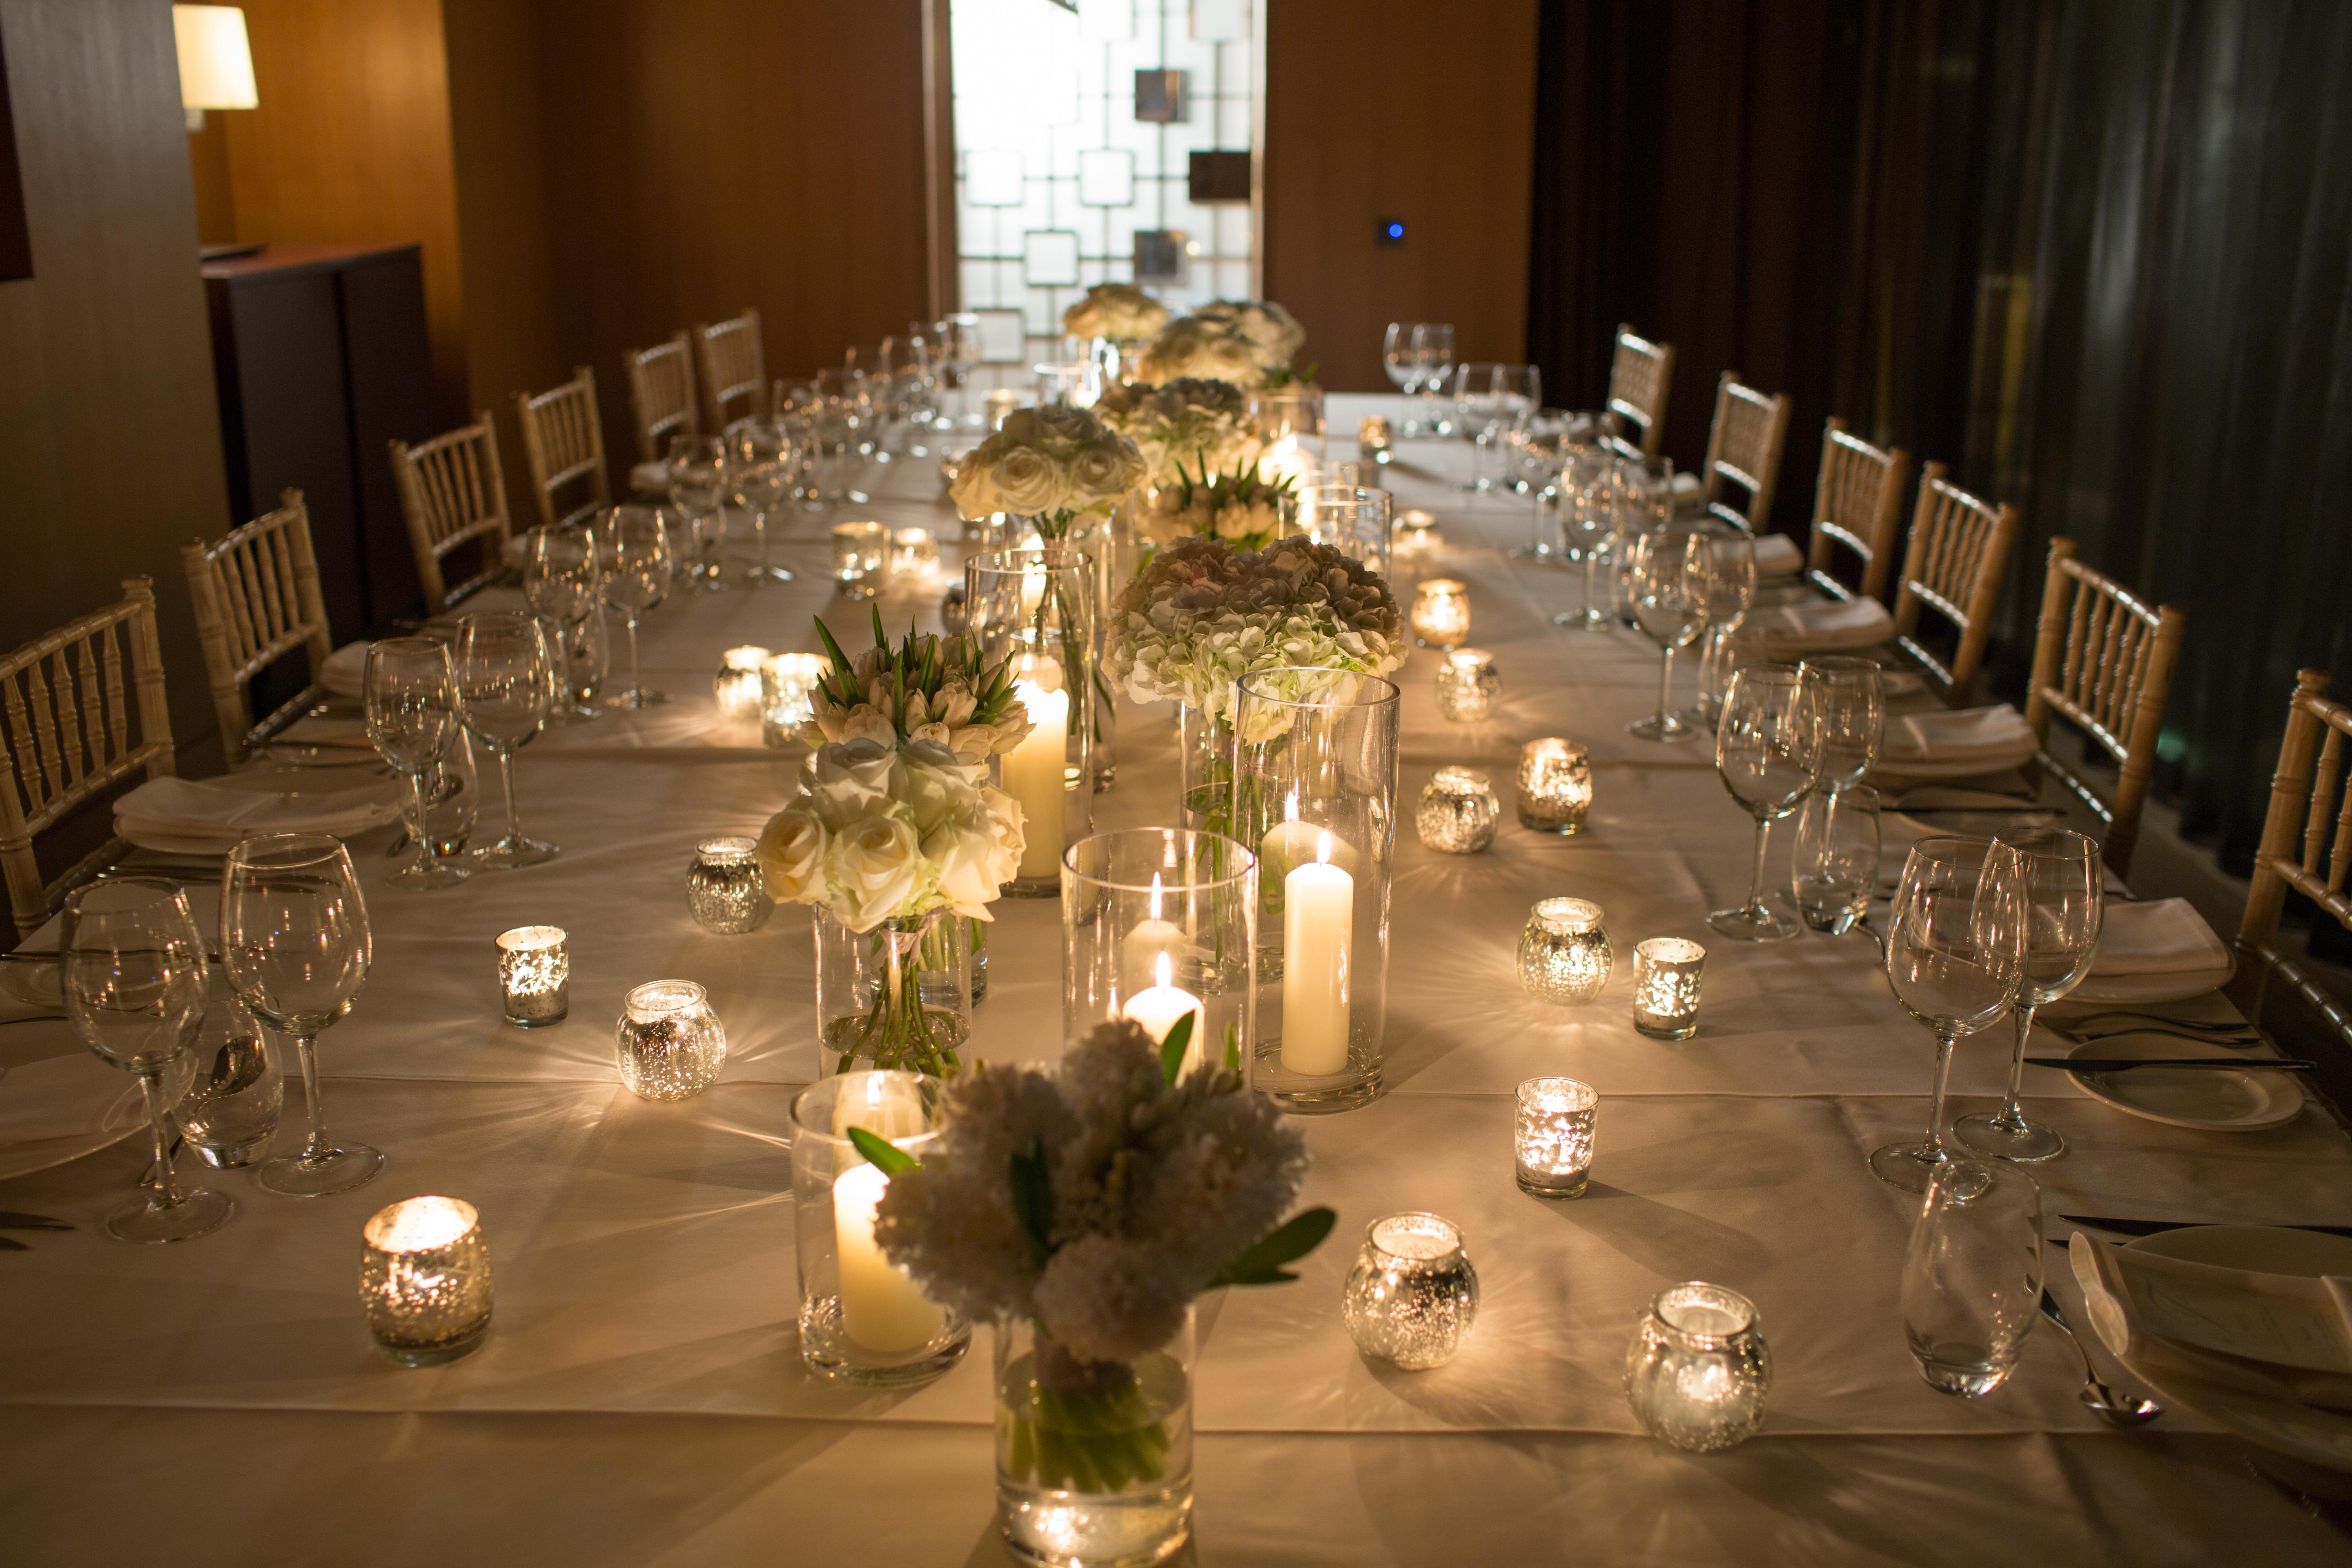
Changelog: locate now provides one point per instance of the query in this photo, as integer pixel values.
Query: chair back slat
(1743, 445)
(1856, 501)
(2326, 781)
(65, 716)
(1959, 548)
(734, 365)
(257, 599)
(661, 395)
(1641, 374)
(2296, 851)
(453, 493)
(564, 441)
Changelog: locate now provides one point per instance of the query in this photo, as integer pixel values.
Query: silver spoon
(2111, 1405)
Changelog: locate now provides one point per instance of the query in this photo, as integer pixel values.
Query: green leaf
(881, 637)
(1172, 1049)
(886, 1156)
(841, 661)
(1033, 1200)
(1233, 1046)
(1261, 1262)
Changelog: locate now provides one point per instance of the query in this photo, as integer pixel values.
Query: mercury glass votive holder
(787, 682)
(1413, 1296)
(1555, 786)
(861, 557)
(1699, 1371)
(914, 554)
(1417, 534)
(1375, 437)
(1564, 952)
(1458, 812)
(738, 683)
(670, 1044)
(535, 975)
(725, 888)
(425, 1279)
(1441, 612)
(1665, 987)
(1552, 1140)
(1467, 684)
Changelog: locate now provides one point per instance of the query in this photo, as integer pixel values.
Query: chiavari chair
(1959, 550)
(734, 365)
(453, 493)
(1641, 374)
(661, 397)
(563, 440)
(255, 593)
(1743, 446)
(2304, 807)
(1856, 502)
(67, 707)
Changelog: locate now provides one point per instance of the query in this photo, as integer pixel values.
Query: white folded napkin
(1819, 626)
(2161, 937)
(345, 672)
(650, 478)
(226, 810)
(2282, 1336)
(1776, 555)
(1997, 736)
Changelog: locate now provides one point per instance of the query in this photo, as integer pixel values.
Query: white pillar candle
(880, 1306)
(1158, 1008)
(1318, 928)
(1292, 842)
(1032, 775)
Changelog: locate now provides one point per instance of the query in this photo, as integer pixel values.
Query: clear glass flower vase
(1094, 1459)
(898, 996)
(1206, 769)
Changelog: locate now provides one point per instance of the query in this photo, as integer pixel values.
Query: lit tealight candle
(535, 975)
(1666, 971)
(1467, 684)
(1158, 1007)
(1441, 612)
(1551, 1139)
(1564, 951)
(1035, 772)
(738, 682)
(1555, 786)
(425, 1279)
(881, 1306)
(1318, 930)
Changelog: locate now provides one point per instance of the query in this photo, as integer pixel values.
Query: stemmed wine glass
(294, 939)
(1849, 710)
(1954, 955)
(559, 577)
(411, 700)
(1765, 753)
(1489, 397)
(132, 965)
(1591, 519)
(760, 463)
(635, 543)
(1432, 352)
(1730, 591)
(1402, 363)
(697, 488)
(504, 681)
(1537, 447)
(2066, 895)
(1667, 577)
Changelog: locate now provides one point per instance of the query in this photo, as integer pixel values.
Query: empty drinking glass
(1590, 518)
(230, 1109)
(411, 699)
(1764, 754)
(1833, 869)
(1667, 576)
(503, 684)
(635, 543)
(759, 462)
(697, 488)
(1535, 450)
(2065, 905)
(1730, 591)
(1432, 352)
(1489, 397)
(1972, 1275)
(560, 573)
(1849, 715)
(1399, 358)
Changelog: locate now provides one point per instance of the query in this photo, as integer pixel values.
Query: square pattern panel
(992, 177)
(1105, 177)
(1049, 257)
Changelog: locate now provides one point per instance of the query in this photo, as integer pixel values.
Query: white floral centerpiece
(1244, 507)
(1118, 311)
(1199, 347)
(1052, 465)
(1275, 334)
(1192, 422)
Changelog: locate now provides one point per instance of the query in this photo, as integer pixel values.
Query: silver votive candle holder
(1698, 1372)
(1666, 971)
(1441, 612)
(1417, 534)
(861, 557)
(669, 1044)
(737, 684)
(1413, 1296)
(535, 975)
(1551, 1137)
(914, 554)
(1467, 684)
(1375, 438)
(425, 1279)
(1555, 786)
(787, 683)
(725, 888)
(1458, 812)
(1564, 952)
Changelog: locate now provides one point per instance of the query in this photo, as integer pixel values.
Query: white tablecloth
(641, 1401)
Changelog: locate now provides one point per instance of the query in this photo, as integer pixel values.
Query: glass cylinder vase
(1314, 774)
(1159, 924)
(1094, 1459)
(898, 996)
(1035, 610)
(862, 1317)
(1204, 763)
(1354, 519)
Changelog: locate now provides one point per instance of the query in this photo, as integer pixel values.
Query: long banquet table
(640, 1399)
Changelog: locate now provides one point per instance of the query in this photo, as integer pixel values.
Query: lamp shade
(215, 62)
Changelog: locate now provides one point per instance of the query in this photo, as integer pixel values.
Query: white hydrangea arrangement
(1244, 507)
(1203, 615)
(1190, 421)
(1201, 347)
(1055, 465)
(1119, 311)
(1275, 334)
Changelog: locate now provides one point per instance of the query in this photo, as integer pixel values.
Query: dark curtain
(2095, 256)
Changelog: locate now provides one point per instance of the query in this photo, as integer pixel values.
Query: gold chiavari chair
(69, 736)
(2103, 660)
(255, 593)
(453, 493)
(661, 397)
(2303, 805)
(734, 365)
(1640, 373)
(563, 440)
(1743, 446)
(1959, 550)
(1856, 504)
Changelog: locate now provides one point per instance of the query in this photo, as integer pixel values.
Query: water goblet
(1764, 754)
(503, 685)
(1849, 711)
(1535, 445)
(411, 698)
(698, 482)
(2065, 905)
(560, 572)
(760, 463)
(1731, 593)
(635, 543)
(1591, 519)
(1667, 577)
(1432, 352)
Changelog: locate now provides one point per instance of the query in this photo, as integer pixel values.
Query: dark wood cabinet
(320, 355)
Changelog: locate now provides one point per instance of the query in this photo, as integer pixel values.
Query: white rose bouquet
(1119, 311)
(1274, 334)
(1206, 424)
(1242, 508)
(1202, 347)
(1052, 464)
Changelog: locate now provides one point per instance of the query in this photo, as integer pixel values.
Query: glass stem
(424, 826)
(1591, 560)
(1756, 883)
(2013, 1115)
(1665, 686)
(159, 1117)
(506, 783)
(636, 680)
(306, 1051)
(760, 527)
(1945, 1041)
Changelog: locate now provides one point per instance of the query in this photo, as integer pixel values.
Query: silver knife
(2158, 1226)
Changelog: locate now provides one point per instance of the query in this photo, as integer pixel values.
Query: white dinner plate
(59, 1109)
(34, 984)
(2209, 1099)
(2317, 1437)
(2178, 987)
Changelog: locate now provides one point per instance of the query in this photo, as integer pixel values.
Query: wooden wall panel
(1345, 147)
(110, 444)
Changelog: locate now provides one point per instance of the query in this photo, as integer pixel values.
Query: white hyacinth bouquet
(1054, 464)
(1119, 311)
(1203, 348)
(1203, 424)
(1274, 334)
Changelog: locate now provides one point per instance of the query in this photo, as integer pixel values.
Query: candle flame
(1290, 807)
(1323, 848)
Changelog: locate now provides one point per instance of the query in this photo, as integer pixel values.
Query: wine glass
(411, 700)
(1764, 753)
(1433, 351)
(1536, 447)
(1834, 865)
(1591, 519)
(759, 461)
(504, 682)
(131, 966)
(560, 569)
(635, 543)
(1954, 955)
(294, 938)
(1488, 396)
(697, 488)
(2066, 894)
(1667, 575)
(1849, 711)
(1399, 357)
(1731, 591)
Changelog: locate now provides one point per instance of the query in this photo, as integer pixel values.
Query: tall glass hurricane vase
(1204, 765)
(896, 997)
(2065, 905)
(1315, 772)
(1033, 610)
